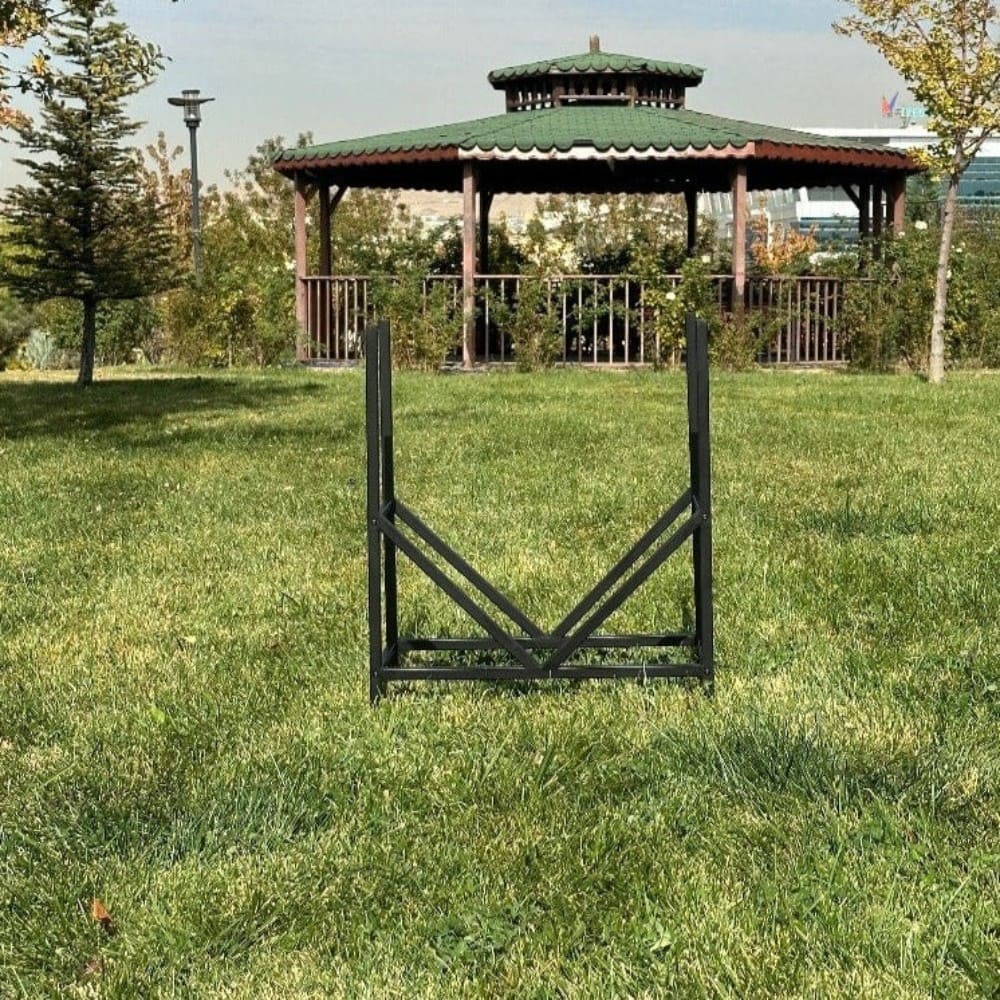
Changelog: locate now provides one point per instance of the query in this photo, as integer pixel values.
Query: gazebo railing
(602, 319)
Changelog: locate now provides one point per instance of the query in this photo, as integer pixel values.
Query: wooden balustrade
(601, 319)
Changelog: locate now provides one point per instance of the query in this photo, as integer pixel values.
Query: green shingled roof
(597, 62)
(560, 129)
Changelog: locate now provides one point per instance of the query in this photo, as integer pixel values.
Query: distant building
(830, 211)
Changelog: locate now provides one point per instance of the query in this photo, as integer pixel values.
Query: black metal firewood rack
(523, 650)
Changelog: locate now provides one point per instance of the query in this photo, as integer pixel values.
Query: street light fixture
(191, 101)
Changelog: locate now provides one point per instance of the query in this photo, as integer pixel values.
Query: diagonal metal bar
(624, 564)
(443, 549)
(625, 590)
(462, 599)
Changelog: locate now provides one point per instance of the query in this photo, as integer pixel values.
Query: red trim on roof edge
(443, 154)
(807, 153)
(760, 150)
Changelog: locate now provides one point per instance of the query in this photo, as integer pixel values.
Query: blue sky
(343, 69)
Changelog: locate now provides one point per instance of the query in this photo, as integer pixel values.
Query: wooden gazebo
(595, 123)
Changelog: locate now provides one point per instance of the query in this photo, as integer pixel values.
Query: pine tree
(87, 227)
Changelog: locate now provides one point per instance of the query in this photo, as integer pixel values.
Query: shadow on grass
(36, 409)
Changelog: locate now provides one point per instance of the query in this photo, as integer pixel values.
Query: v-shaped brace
(533, 651)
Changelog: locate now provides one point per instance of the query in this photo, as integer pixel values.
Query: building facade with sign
(832, 213)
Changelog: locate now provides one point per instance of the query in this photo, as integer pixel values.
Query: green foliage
(975, 341)
(506, 256)
(242, 311)
(889, 299)
(923, 199)
(233, 317)
(531, 322)
(128, 330)
(125, 329)
(619, 234)
(425, 320)
(16, 322)
(21, 23)
(739, 338)
(374, 233)
(949, 55)
(85, 227)
(887, 305)
(666, 304)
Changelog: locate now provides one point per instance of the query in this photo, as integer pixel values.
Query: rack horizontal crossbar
(629, 671)
(548, 642)
(527, 651)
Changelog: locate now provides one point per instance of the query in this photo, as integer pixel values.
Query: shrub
(666, 304)
(531, 322)
(125, 329)
(426, 328)
(227, 322)
(889, 299)
(740, 338)
(16, 322)
(41, 349)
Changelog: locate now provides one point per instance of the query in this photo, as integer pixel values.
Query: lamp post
(191, 101)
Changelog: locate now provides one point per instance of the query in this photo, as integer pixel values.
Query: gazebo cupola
(596, 77)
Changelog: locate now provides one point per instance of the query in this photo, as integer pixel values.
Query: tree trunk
(935, 368)
(89, 346)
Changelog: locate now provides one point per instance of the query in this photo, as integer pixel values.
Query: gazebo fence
(602, 319)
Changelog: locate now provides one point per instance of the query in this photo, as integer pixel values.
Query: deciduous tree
(947, 52)
(23, 22)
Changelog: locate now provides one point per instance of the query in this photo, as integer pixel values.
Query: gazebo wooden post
(878, 212)
(864, 212)
(469, 183)
(327, 210)
(691, 203)
(302, 192)
(485, 203)
(897, 204)
(325, 243)
(739, 183)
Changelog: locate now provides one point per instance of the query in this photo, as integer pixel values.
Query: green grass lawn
(185, 730)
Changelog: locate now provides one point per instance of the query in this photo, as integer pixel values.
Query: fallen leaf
(94, 967)
(99, 914)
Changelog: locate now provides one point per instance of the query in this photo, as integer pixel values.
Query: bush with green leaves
(16, 323)
(974, 298)
(619, 234)
(41, 350)
(242, 309)
(666, 303)
(425, 321)
(739, 339)
(530, 322)
(445, 241)
(125, 329)
(889, 300)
